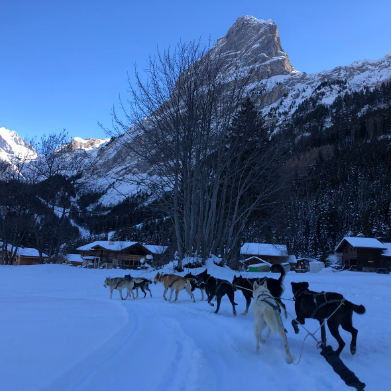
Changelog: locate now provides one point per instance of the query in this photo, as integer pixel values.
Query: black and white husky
(140, 282)
(195, 285)
(276, 287)
(119, 283)
(267, 313)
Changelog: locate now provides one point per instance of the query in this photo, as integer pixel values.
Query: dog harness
(174, 281)
(119, 282)
(315, 299)
(222, 282)
(267, 296)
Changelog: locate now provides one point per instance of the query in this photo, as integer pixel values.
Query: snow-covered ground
(60, 331)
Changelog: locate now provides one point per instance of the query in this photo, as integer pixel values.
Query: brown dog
(172, 281)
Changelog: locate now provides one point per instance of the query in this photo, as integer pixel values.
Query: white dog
(119, 283)
(266, 313)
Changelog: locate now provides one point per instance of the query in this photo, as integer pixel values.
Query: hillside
(336, 124)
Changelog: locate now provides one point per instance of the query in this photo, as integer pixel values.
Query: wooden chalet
(270, 253)
(28, 256)
(117, 254)
(73, 259)
(363, 254)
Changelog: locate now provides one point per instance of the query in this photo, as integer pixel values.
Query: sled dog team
(326, 307)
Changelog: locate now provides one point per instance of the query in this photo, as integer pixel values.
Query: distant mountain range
(282, 93)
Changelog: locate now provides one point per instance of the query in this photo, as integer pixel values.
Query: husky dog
(140, 282)
(119, 283)
(267, 313)
(276, 287)
(195, 285)
(216, 287)
(320, 306)
(172, 281)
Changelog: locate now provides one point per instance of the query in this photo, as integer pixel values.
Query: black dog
(194, 284)
(275, 287)
(140, 282)
(216, 287)
(320, 306)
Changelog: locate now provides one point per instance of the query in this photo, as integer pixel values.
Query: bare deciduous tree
(177, 123)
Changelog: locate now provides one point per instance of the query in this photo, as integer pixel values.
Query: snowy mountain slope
(14, 145)
(79, 339)
(281, 95)
(275, 86)
(277, 89)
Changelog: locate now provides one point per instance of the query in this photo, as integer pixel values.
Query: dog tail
(358, 309)
(281, 270)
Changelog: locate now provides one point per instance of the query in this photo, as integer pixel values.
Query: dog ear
(265, 283)
(306, 284)
(255, 286)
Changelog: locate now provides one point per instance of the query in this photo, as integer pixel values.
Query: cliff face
(253, 46)
(254, 43)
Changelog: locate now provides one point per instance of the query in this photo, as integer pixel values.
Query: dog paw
(353, 350)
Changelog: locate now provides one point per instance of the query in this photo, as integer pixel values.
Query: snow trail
(60, 331)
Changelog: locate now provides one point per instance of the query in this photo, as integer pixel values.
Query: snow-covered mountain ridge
(253, 46)
(275, 86)
(13, 145)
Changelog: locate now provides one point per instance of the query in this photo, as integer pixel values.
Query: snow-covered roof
(74, 257)
(387, 252)
(360, 242)
(292, 259)
(278, 250)
(260, 260)
(29, 252)
(115, 246)
(25, 252)
(156, 249)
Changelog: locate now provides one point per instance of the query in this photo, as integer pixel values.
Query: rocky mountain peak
(252, 42)
(11, 143)
(87, 144)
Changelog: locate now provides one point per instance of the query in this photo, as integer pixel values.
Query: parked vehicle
(382, 270)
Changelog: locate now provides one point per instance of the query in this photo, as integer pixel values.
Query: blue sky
(63, 63)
